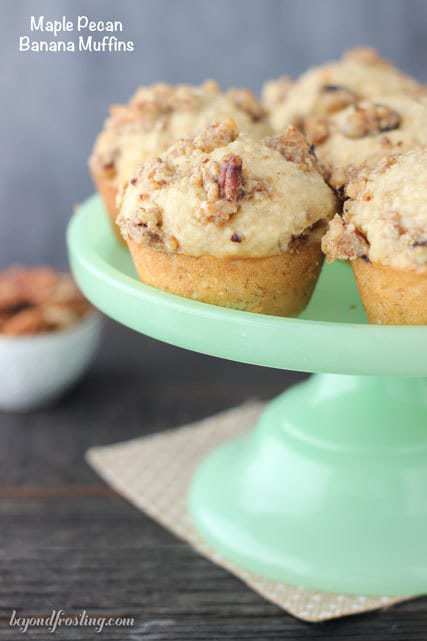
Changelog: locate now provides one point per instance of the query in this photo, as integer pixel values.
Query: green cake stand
(329, 490)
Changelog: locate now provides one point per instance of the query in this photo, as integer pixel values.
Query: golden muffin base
(280, 285)
(108, 191)
(391, 296)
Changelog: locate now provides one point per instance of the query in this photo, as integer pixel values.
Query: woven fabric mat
(154, 473)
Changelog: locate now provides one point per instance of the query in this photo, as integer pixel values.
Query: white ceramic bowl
(35, 370)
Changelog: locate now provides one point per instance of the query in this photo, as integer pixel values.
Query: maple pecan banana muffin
(364, 132)
(383, 232)
(231, 221)
(157, 116)
(360, 73)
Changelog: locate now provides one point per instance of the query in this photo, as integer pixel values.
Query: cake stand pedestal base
(329, 491)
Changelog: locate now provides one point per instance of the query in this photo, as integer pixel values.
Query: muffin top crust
(158, 115)
(366, 131)
(274, 92)
(223, 193)
(385, 220)
(360, 73)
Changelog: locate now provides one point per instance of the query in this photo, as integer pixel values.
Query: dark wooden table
(69, 542)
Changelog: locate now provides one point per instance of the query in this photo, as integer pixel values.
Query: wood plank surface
(67, 541)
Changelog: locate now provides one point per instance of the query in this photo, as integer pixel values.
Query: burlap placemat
(154, 473)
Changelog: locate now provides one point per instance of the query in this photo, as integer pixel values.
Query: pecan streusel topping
(343, 242)
(354, 139)
(294, 147)
(367, 118)
(386, 219)
(226, 194)
(360, 74)
(332, 98)
(159, 115)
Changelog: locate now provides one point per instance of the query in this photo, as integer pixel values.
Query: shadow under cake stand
(329, 491)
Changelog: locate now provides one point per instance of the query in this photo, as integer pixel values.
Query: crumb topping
(343, 241)
(224, 193)
(294, 147)
(159, 115)
(367, 118)
(332, 98)
(245, 100)
(274, 92)
(385, 219)
(322, 91)
(357, 137)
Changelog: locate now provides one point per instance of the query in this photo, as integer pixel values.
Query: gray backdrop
(53, 105)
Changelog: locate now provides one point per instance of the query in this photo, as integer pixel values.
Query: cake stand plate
(329, 491)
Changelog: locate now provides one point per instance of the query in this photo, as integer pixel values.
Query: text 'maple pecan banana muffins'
(157, 116)
(383, 232)
(364, 132)
(360, 73)
(229, 220)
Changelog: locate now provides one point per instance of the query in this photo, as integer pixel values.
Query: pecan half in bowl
(48, 336)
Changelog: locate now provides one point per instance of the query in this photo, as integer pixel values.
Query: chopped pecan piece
(27, 321)
(182, 147)
(171, 244)
(156, 173)
(145, 227)
(356, 183)
(316, 129)
(333, 98)
(210, 177)
(254, 185)
(236, 238)
(26, 294)
(245, 100)
(230, 179)
(294, 148)
(218, 212)
(343, 241)
(367, 119)
(151, 217)
(59, 315)
(218, 134)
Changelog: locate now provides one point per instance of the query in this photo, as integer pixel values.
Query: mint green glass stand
(329, 491)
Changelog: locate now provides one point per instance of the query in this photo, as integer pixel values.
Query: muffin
(229, 220)
(364, 132)
(383, 232)
(360, 73)
(157, 116)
